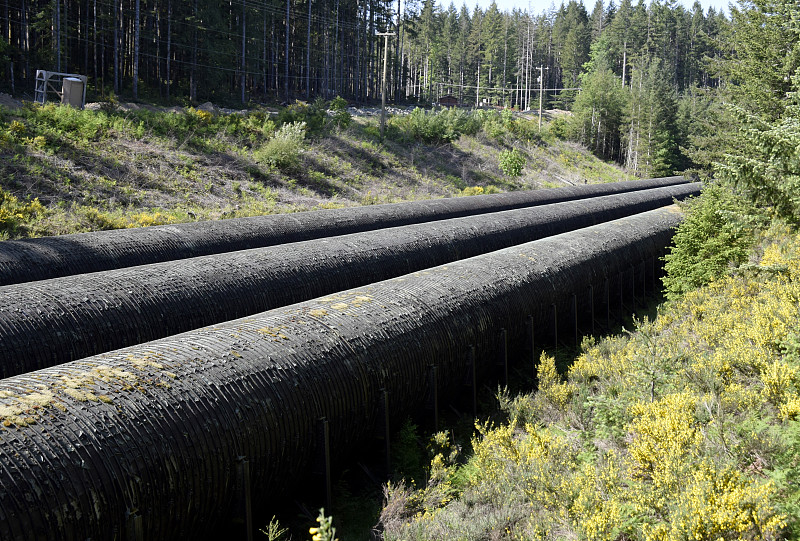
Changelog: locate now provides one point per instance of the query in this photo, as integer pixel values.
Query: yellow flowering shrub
(664, 436)
(679, 430)
(14, 213)
(719, 504)
(550, 385)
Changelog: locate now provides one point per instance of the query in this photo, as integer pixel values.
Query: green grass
(113, 166)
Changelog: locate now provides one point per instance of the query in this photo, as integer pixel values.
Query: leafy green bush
(718, 231)
(312, 116)
(283, 150)
(527, 130)
(437, 127)
(511, 162)
(66, 122)
(340, 117)
(558, 128)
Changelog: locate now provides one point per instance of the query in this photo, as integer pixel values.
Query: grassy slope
(127, 168)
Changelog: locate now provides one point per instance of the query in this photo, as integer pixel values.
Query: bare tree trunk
(398, 44)
(624, 60)
(26, 41)
(57, 34)
(327, 57)
(478, 87)
(94, 41)
(136, 27)
(193, 69)
(505, 59)
(308, 55)
(244, 50)
(6, 23)
(264, 66)
(357, 78)
(336, 57)
(286, 54)
(528, 62)
(370, 81)
(117, 23)
(86, 41)
(157, 39)
(274, 58)
(102, 71)
(7, 35)
(169, 45)
(66, 61)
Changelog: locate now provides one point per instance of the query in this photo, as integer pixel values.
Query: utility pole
(383, 84)
(541, 93)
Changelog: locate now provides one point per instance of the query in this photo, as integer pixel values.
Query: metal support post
(434, 398)
(575, 317)
(503, 355)
(245, 506)
(530, 336)
(134, 527)
(387, 434)
(324, 457)
(473, 369)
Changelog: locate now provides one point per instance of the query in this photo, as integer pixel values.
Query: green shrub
(558, 128)
(67, 122)
(283, 150)
(494, 128)
(511, 162)
(527, 130)
(718, 232)
(341, 118)
(437, 127)
(312, 116)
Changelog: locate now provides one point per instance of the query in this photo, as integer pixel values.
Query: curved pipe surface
(55, 321)
(50, 257)
(154, 432)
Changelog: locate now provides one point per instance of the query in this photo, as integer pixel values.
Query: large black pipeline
(151, 435)
(51, 257)
(54, 321)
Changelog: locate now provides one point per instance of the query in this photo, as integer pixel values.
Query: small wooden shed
(448, 101)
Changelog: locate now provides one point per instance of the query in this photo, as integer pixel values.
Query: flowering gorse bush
(14, 213)
(325, 531)
(686, 428)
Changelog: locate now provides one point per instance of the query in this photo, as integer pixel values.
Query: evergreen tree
(598, 112)
(650, 144)
(764, 43)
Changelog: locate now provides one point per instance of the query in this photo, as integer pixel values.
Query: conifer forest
(634, 60)
(639, 77)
